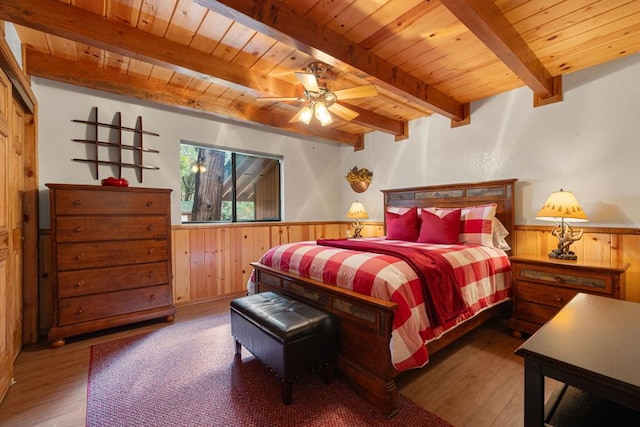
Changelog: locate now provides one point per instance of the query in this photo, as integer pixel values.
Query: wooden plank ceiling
(424, 56)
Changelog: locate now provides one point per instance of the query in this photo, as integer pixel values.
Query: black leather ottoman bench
(290, 337)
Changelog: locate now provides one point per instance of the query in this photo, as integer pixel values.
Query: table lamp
(357, 212)
(564, 207)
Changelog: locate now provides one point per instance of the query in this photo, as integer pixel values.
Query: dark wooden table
(593, 343)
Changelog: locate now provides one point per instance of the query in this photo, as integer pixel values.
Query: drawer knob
(559, 279)
(149, 204)
(150, 227)
(558, 298)
(80, 284)
(81, 310)
(76, 203)
(79, 257)
(151, 250)
(79, 229)
(152, 297)
(151, 274)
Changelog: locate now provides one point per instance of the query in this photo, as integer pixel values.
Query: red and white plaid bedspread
(483, 275)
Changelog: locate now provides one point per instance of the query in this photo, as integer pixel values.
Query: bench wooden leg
(287, 391)
(238, 348)
(327, 373)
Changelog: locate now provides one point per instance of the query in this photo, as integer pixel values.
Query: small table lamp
(563, 206)
(357, 212)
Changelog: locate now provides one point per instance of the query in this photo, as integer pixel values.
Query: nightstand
(542, 286)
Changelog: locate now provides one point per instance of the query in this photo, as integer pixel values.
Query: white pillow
(398, 210)
(499, 234)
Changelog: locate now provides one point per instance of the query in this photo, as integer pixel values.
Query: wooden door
(16, 190)
(7, 287)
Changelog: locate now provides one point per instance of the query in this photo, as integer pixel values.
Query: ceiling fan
(319, 100)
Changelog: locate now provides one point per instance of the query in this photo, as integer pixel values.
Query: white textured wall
(588, 144)
(310, 170)
(13, 40)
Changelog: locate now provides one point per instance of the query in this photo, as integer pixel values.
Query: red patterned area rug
(185, 375)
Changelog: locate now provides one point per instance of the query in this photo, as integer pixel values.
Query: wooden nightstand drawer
(535, 313)
(600, 283)
(543, 294)
(542, 286)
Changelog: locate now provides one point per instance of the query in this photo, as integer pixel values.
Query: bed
(371, 354)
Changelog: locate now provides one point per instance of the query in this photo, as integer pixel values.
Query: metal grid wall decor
(136, 146)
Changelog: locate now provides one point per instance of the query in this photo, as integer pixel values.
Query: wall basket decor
(115, 145)
(359, 179)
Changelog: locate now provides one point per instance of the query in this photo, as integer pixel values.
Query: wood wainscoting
(211, 261)
(597, 244)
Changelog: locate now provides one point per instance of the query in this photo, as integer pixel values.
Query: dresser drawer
(76, 256)
(85, 228)
(592, 282)
(96, 280)
(553, 296)
(99, 306)
(105, 201)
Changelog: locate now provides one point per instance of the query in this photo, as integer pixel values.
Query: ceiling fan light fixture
(319, 101)
(306, 114)
(322, 114)
(198, 167)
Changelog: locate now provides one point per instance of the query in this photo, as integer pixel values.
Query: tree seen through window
(219, 185)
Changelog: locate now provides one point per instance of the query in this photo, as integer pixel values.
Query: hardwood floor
(477, 381)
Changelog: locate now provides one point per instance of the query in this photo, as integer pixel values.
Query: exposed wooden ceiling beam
(487, 22)
(86, 75)
(74, 23)
(378, 122)
(278, 21)
(82, 26)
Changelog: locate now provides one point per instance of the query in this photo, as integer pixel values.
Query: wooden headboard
(460, 195)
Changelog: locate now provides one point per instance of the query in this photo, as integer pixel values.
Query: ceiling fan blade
(309, 81)
(275, 98)
(296, 118)
(343, 112)
(356, 92)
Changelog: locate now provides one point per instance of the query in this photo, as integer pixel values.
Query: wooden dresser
(111, 253)
(543, 285)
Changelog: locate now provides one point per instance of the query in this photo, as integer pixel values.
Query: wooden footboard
(364, 331)
(365, 325)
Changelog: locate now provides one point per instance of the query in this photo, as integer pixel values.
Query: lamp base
(560, 254)
(357, 228)
(566, 236)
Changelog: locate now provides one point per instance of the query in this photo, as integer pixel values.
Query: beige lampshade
(357, 211)
(562, 205)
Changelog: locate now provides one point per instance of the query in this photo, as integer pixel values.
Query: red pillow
(476, 223)
(445, 230)
(402, 227)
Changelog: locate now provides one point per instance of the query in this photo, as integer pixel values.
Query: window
(227, 186)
